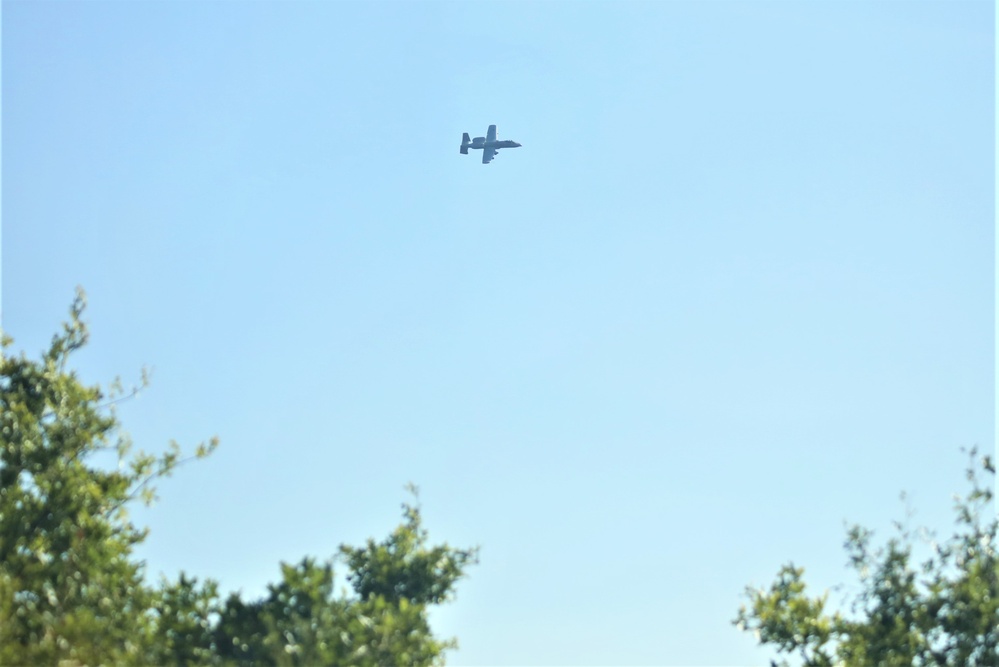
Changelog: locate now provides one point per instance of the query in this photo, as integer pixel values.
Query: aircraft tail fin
(465, 140)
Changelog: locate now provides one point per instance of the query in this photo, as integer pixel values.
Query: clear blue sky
(736, 288)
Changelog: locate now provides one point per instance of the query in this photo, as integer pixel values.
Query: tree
(68, 587)
(72, 593)
(403, 568)
(302, 622)
(943, 611)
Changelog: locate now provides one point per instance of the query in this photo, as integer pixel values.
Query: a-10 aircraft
(487, 144)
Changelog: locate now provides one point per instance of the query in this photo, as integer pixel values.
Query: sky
(735, 289)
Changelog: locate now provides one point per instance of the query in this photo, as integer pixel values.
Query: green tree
(403, 567)
(302, 622)
(943, 611)
(69, 589)
(72, 592)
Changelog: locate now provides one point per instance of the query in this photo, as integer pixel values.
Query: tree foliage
(403, 568)
(943, 611)
(72, 592)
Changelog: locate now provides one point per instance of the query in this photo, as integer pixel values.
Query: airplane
(487, 144)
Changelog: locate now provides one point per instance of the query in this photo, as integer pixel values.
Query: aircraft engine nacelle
(479, 140)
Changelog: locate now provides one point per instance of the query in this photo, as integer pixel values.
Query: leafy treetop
(72, 592)
(942, 612)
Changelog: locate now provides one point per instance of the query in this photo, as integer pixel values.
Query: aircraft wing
(488, 154)
(491, 134)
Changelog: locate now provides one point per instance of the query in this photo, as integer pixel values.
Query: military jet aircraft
(487, 144)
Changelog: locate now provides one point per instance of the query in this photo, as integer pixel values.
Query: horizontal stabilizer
(465, 140)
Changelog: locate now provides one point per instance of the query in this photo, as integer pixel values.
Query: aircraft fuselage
(481, 143)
